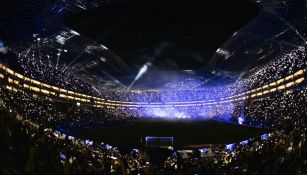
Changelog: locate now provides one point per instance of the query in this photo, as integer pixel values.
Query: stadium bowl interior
(153, 87)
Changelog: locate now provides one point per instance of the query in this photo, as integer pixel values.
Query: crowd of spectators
(284, 151)
(31, 147)
(45, 68)
(53, 112)
(28, 148)
(31, 144)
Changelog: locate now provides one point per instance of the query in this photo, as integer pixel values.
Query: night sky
(173, 35)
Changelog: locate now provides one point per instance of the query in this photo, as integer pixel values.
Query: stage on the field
(185, 132)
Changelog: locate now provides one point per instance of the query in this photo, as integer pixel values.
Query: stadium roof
(172, 34)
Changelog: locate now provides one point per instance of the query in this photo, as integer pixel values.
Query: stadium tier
(16, 82)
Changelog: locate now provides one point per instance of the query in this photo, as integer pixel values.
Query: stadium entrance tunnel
(173, 35)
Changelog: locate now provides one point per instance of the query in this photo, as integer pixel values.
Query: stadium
(153, 87)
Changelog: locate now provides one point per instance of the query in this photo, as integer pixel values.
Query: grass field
(185, 132)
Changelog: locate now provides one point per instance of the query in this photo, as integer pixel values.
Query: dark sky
(172, 34)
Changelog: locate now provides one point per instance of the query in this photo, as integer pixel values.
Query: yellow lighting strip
(39, 87)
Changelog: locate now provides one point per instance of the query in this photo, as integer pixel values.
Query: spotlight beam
(141, 73)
